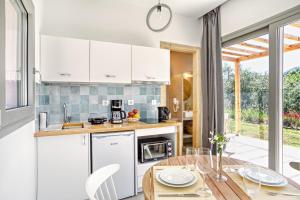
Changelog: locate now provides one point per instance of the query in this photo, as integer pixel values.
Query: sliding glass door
(291, 98)
(261, 72)
(246, 92)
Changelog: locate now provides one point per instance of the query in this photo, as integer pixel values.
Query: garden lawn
(290, 136)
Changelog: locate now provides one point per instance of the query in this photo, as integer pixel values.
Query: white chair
(102, 178)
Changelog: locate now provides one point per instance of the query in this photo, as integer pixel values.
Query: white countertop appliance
(118, 148)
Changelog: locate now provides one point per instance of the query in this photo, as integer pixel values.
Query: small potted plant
(219, 140)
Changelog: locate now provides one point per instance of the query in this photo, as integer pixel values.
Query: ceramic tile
(111, 90)
(143, 90)
(119, 91)
(75, 90)
(93, 90)
(84, 90)
(85, 99)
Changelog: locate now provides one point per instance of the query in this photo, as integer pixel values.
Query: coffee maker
(117, 114)
(163, 114)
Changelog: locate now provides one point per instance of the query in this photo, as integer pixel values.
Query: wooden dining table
(228, 190)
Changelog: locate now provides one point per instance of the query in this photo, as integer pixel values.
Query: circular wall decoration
(159, 9)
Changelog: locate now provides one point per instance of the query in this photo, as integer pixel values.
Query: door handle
(84, 140)
(64, 74)
(110, 76)
(150, 77)
(108, 136)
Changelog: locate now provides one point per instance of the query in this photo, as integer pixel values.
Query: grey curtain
(212, 117)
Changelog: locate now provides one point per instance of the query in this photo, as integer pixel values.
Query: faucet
(67, 119)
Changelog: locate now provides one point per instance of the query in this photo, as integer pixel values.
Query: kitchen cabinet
(150, 64)
(63, 167)
(64, 59)
(110, 62)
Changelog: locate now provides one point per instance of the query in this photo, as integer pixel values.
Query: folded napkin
(262, 194)
(162, 189)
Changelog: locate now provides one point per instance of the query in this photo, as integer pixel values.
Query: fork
(282, 193)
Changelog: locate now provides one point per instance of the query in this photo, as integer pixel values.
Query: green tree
(291, 90)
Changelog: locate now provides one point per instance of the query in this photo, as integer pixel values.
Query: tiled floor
(256, 151)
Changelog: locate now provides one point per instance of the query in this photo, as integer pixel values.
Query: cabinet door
(63, 167)
(150, 64)
(110, 62)
(64, 59)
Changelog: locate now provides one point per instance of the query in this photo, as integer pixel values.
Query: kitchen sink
(72, 126)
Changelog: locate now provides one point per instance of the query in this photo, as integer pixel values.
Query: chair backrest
(102, 178)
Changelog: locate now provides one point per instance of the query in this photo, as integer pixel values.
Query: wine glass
(204, 166)
(229, 151)
(191, 158)
(251, 187)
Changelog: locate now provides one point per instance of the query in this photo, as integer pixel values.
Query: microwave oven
(152, 149)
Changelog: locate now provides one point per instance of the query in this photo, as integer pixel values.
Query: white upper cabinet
(64, 59)
(150, 64)
(110, 62)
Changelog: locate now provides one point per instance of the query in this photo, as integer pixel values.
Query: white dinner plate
(284, 182)
(175, 186)
(176, 176)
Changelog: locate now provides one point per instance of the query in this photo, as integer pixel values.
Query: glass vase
(220, 177)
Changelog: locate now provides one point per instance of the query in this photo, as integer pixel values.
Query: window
(16, 64)
(16, 49)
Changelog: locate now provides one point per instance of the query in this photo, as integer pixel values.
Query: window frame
(273, 26)
(12, 119)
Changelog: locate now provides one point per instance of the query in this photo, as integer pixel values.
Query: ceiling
(189, 8)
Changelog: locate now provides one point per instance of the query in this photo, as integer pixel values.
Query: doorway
(182, 96)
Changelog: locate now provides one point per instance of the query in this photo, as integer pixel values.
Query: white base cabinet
(63, 167)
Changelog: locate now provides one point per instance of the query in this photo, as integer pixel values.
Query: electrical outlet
(105, 102)
(131, 102)
(153, 102)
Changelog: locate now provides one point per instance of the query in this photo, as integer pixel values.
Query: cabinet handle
(150, 77)
(83, 140)
(110, 76)
(64, 74)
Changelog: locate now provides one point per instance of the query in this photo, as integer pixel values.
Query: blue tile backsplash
(82, 100)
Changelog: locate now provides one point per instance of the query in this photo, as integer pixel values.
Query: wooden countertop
(107, 127)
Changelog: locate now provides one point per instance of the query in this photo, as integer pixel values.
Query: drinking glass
(229, 151)
(251, 187)
(204, 166)
(191, 158)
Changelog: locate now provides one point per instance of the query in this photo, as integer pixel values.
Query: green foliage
(254, 116)
(220, 140)
(255, 92)
(291, 91)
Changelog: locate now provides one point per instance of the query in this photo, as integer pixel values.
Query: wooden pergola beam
(240, 50)
(232, 53)
(237, 96)
(262, 40)
(253, 46)
(287, 48)
(296, 25)
(230, 59)
(292, 37)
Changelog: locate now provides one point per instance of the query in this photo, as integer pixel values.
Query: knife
(179, 195)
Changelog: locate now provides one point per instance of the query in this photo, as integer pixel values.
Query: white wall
(114, 21)
(18, 164)
(237, 14)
